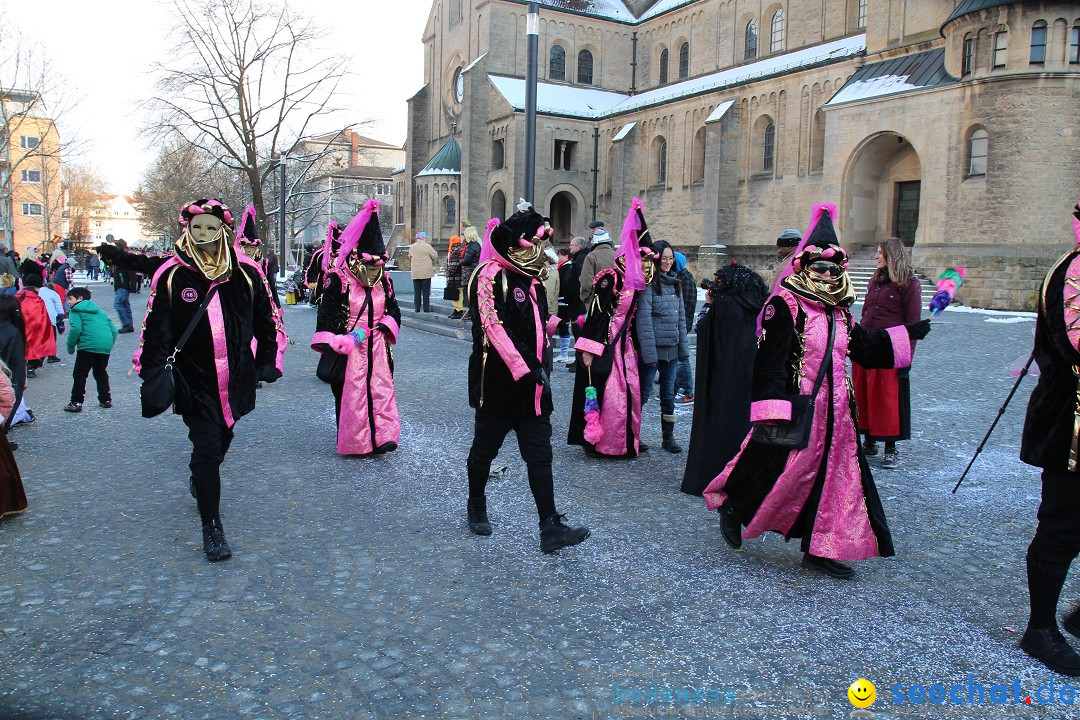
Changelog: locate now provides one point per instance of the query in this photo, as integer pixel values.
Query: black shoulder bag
(795, 435)
(165, 386)
(332, 365)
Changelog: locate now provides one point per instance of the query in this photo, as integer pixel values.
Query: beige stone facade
(953, 124)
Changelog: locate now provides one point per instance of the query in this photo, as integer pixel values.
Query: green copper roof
(445, 162)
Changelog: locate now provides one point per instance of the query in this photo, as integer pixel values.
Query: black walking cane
(1023, 372)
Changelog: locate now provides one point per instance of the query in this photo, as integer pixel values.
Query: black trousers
(1055, 545)
(422, 290)
(534, 443)
(210, 441)
(85, 361)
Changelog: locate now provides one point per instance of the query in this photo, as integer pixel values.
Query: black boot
(641, 446)
(213, 541)
(667, 422)
(1048, 646)
(478, 519)
(830, 567)
(554, 534)
(1071, 622)
(730, 527)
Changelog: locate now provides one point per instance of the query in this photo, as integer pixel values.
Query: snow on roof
(718, 113)
(623, 132)
(471, 65)
(662, 7)
(610, 9)
(774, 65)
(589, 103)
(896, 75)
(555, 99)
(613, 9)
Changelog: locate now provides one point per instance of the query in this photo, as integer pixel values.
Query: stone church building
(952, 124)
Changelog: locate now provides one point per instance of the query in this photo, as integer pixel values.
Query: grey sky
(104, 50)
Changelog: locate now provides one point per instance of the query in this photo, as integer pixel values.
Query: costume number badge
(189, 295)
(519, 295)
(769, 312)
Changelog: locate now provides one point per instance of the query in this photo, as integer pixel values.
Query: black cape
(726, 345)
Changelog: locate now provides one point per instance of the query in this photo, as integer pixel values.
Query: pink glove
(343, 344)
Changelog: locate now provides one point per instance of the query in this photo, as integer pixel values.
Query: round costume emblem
(189, 295)
(519, 295)
(770, 310)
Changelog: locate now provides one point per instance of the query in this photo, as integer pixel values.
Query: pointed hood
(634, 241)
(363, 235)
(513, 243)
(330, 247)
(820, 234)
(247, 235)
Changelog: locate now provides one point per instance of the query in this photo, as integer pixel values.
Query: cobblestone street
(356, 590)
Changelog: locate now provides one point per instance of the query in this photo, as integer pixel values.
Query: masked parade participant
(509, 371)
(608, 352)
(320, 261)
(204, 290)
(358, 322)
(799, 473)
(1051, 441)
(726, 345)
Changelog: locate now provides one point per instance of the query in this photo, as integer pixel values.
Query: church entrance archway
(561, 211)
(882, 192)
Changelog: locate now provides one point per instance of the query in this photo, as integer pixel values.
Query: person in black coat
(217, 362)
(13, 349)
(1051, 440)
(726, 344)
(509, 368)
(322, 259)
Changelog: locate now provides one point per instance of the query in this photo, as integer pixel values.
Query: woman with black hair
(661, 332)
(726, 346)
(13, 349)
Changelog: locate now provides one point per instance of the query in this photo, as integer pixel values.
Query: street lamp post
(282, 257)
(532, 30)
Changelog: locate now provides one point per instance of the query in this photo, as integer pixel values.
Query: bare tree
(180, 173)
(33, 101)
(244, 83)
(86, 196)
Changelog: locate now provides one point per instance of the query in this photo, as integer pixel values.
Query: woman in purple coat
(893, 297)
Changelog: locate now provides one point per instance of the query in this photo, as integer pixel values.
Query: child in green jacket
(94, 334)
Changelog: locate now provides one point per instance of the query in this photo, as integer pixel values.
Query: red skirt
(883, 398)
(12, 495)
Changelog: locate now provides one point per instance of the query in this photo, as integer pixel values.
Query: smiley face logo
(862, 693)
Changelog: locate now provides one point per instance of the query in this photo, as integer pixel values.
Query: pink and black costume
(608, 334)
(359, 318)
(1051, 441)
(509, 370)
(824, 493)
(217, 363)
(321, 260)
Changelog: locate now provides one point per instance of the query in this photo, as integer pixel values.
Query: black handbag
(332, 365)
(165, 387)
(795, 435)
(450, 293)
